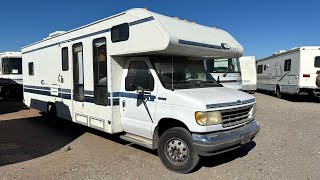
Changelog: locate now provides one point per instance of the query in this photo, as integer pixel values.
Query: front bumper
(219, 142)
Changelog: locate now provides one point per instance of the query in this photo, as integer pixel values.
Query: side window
(259, 70)
(139, 76)
(65, 59)
(78, 74)
(317, 62)
(287, 65)
(100, 71)
(120, 33)
(31, 68)
(264, 67)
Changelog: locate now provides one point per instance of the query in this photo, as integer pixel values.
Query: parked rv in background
(296, 71)
(248, 73)
(226, 71)
(141, 74)
(236, 73)
(11, 74)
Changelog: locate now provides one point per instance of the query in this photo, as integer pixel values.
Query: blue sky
(262, 27)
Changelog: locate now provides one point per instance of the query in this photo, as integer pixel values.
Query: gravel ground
(287, 147)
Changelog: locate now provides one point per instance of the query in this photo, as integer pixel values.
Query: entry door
(78, 83)
(64, 107)
(138, 98)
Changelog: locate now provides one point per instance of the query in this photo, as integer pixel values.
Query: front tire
(278, 92)
(176, 150)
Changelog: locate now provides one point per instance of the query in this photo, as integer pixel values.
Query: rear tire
(278, 92)
(176, 150)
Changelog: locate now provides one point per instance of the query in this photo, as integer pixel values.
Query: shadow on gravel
(10, 106)
(219, 159)
(26, 139)
(293, 98)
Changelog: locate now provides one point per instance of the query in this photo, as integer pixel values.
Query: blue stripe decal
(37, 87)
(34, 91)
(191, 43)
(92, 34)
(209, 106)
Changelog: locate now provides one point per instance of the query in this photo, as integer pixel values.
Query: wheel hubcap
(177, 150)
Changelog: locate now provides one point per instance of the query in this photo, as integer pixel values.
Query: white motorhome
(10, 74)
(140, 74)
(225, 70)
(296, 71)
(248, 73)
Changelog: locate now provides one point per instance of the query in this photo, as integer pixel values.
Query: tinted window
(287, 65)
(12, 65)
(120, 33)
(65, 59)
(259, 69)
(78, 74)
(100, 71)
(31, 68)
(265, 67)
(139, 76)
(224, 65)
(317, 62)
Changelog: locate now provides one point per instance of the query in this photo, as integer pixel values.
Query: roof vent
(56, 33)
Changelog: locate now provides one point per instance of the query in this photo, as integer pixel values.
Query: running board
(142, 141)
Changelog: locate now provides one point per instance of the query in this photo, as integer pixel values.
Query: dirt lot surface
(31, 147)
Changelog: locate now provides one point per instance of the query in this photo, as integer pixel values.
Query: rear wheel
(278, 92)
(176, 150)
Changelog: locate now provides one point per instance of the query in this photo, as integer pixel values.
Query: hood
(211, 98)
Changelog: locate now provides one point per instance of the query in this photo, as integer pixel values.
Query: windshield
(11, 66)
(182, 73)
(231, 65)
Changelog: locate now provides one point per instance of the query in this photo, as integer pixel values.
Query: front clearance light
(253, 111)
(208, 118)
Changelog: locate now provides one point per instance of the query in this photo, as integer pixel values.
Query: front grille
(232, 117)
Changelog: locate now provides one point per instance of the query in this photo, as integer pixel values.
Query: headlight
(208, 118)
(253, 111)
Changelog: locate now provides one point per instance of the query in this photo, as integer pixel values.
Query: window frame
(124, 29)
(286, 66)
(31, 68)
(260, 70)
(149, 70)
(95, 74)
(65, 62)
(317, 58)
(81, 96)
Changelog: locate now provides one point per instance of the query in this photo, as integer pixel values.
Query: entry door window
(100, 71)
(78, 74)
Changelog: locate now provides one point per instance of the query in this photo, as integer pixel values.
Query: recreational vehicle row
(10, 74)
(296, 71)
(141, 74)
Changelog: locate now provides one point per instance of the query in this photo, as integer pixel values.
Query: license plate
(245, 138)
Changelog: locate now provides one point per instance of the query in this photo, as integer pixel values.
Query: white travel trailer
(225, 70)
(10, 74)
(248, 73)
(140, 74)
(296, 71)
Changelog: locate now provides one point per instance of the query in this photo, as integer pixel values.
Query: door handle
(123, 103)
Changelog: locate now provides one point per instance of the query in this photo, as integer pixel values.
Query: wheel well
(163, 125)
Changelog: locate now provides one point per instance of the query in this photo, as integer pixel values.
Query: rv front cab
(191, 113)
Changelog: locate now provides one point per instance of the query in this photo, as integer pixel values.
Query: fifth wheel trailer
(140, 74)
(10, 74)
(296, 71)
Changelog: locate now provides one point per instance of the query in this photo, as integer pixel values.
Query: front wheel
(176, 150)
(278, 92)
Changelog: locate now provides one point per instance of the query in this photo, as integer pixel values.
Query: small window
(100, 71)
(264, 67)
(31, 68)
(139, 76)
(259, 70)
(120, 33)
(65, 59)
(317, 62)
(287, 65)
